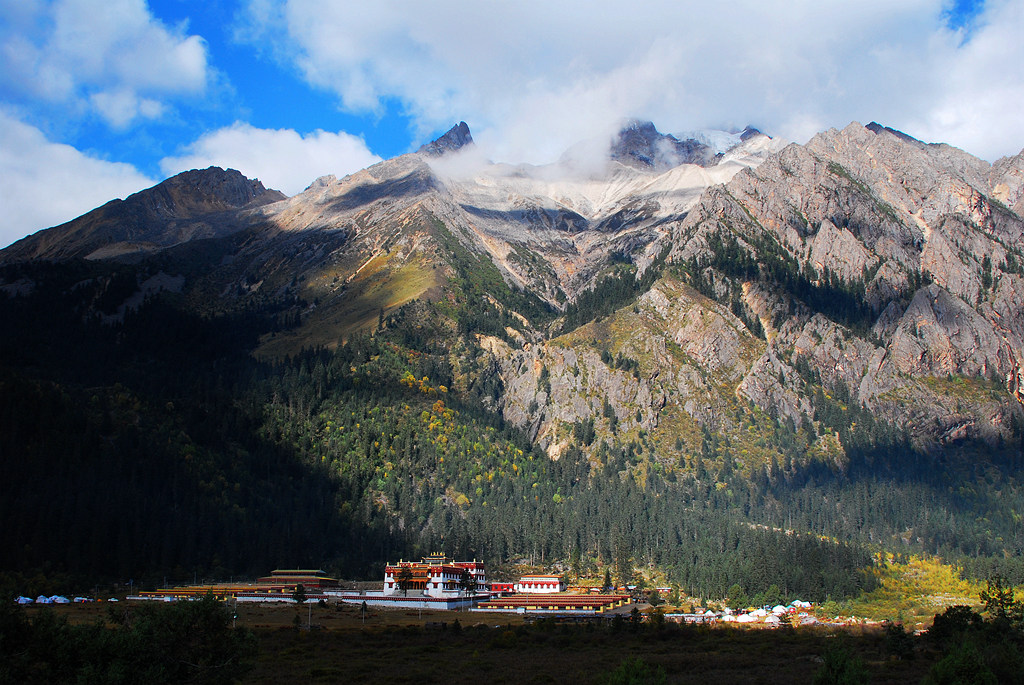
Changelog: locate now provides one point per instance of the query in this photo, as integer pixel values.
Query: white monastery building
(434, 576)
(540, 584)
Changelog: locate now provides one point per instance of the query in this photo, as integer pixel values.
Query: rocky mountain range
(750, 308)
(865, 262)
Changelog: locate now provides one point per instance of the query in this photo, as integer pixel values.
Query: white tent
(24, 600)
(773, 620)
(746, 618)
(778, 609)
(60, 599)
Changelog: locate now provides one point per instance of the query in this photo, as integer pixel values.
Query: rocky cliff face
(912, 232)
(872, 267)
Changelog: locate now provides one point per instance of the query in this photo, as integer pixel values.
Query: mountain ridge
(886, 228)
(193, 204)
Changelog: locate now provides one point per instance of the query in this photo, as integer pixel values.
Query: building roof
(556, 601)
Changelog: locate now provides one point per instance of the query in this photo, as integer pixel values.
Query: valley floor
(403, 647)
(337, 644)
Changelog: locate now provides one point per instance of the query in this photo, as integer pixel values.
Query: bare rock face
(1007, 182)
(924, 235)
(674, 350)
(939, 334)
(839, 358)
(839, 250)
(713, 339)
(774, 385)
(550, 386)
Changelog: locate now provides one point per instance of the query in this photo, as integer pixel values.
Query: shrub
(840, 668)
(635, 671)
(963, 666)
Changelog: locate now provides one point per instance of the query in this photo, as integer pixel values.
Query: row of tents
(767, 614)
(55, 599)
(770, 618)
(773, 616)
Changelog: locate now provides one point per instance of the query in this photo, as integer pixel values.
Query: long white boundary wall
(379, 599)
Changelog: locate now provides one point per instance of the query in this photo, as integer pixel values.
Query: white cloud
(532, 77)
(113, 55)
(121, 107)
(45, 184)
(281, 158)
(979, 109)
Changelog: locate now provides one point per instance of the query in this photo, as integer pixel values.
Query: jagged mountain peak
(749, 132)
(722, 141)
(639, 144)
(227, 186)
(1007, 179)
(877, 128)
(457, 137)
(330, 203)
(868, 151)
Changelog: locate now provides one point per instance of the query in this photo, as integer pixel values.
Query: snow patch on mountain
(719, 141)
(593, 189)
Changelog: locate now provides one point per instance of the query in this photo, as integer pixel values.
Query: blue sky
(101, 99)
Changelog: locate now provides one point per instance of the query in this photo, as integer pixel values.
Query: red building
(312, 580)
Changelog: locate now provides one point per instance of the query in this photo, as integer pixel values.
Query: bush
(963, 666)
(953, 624)
(635, 671)
(898, 642)
(155, 643)
(841, 669)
